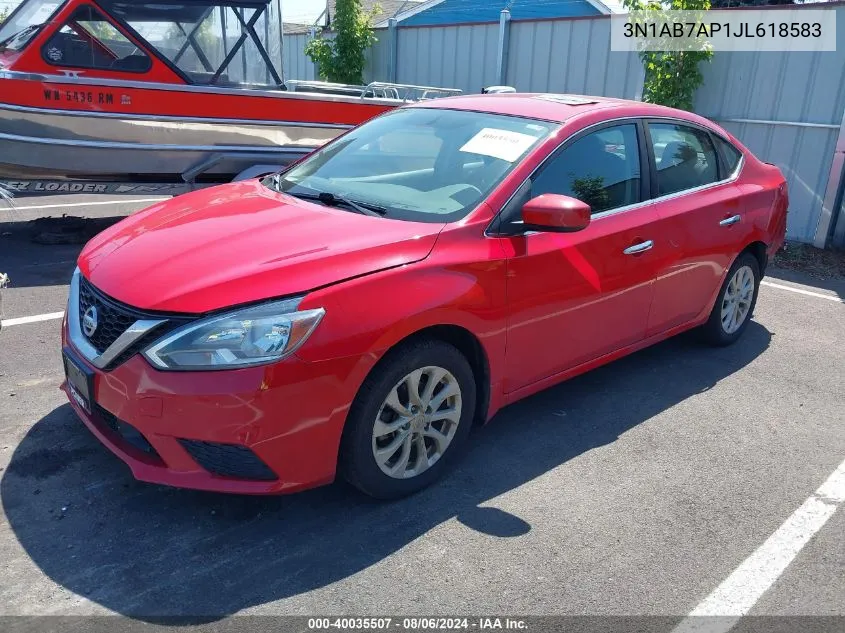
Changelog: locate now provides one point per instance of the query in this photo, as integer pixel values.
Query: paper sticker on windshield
(502, 144)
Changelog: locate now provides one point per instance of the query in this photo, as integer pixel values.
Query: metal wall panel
(296, 63)
(571, 56)
(377, 62)
(778, 89)
(451, 57)
(804, 156)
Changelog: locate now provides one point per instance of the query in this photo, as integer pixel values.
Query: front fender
(366, 317)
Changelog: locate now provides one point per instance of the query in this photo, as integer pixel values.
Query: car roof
(555, 107)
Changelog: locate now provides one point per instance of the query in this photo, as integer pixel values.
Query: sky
(298, 11)
(302, 11)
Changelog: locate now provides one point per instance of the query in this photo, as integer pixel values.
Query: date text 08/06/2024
(416, 623)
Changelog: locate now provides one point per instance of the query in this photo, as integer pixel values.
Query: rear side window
(730, 155)
(88, 40)
(684, 156)
(601, 169)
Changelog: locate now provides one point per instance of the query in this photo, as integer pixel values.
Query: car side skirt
(545, 383)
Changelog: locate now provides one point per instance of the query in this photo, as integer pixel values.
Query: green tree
(671, 77)
(341, 59)
(4, 13)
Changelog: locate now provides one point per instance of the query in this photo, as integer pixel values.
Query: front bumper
(260, 430)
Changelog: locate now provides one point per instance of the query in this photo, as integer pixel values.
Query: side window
(684, 156)
(730, 154)
(601, 169)
(88, 40)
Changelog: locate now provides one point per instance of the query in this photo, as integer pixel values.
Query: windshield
(211, 41)
(429, 165)
(22, 26)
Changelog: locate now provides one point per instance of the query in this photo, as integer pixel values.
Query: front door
(574, 297)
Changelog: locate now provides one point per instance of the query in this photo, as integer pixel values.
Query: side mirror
(554, 213)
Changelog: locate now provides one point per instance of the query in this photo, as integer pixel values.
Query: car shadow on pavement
(150, 552)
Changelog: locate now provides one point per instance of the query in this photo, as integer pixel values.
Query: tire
(394, 375)
(716, 331)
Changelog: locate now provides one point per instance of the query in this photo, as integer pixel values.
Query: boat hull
(57, 133)
(51, 144)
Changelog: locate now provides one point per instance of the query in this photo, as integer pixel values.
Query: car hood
(242, 242)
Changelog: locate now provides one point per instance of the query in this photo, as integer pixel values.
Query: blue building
(442, 12)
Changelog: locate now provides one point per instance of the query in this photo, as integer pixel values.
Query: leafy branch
(341, 58)
(671, 77)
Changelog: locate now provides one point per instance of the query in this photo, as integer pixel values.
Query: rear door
(701, 217)
(574, 297)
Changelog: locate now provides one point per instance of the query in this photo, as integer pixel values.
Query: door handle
(731, 220)
(639, 248)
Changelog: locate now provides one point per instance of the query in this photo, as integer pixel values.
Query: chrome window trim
(630, 207)
(151, 85)
(81, 344)
(171, 118)
(683, 192)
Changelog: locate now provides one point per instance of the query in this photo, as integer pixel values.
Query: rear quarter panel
(766, 201)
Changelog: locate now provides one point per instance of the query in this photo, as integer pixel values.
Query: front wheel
(409, 420)
(735, 303)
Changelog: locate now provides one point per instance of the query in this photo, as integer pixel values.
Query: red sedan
(358, 312)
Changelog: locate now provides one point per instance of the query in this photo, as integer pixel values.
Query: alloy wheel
(416, 422)
(736, 303)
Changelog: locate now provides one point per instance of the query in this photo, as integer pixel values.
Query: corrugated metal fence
(786, 107)
(571, 56)
(296, 64)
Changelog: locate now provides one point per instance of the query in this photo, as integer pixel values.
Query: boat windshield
(418, 164)
(17, 31)
(218, 42)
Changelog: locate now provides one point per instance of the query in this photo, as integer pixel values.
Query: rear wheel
(409, 420)
(735, 304)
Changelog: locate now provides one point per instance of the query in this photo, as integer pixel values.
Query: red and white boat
(123, 96)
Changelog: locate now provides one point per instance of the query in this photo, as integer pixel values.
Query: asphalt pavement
(639, 488)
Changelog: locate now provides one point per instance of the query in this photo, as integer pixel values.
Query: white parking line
(743, 588)
(33, 319)
(87, 204)
(802, 292)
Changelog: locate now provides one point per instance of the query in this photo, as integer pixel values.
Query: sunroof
(567, 99)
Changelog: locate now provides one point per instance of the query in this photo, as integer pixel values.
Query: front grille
(124, 430)
(114, 318)
(228, 460)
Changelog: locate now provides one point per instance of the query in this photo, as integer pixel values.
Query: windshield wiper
(334, 200)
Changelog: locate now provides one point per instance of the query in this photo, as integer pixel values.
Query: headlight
(242, 338)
